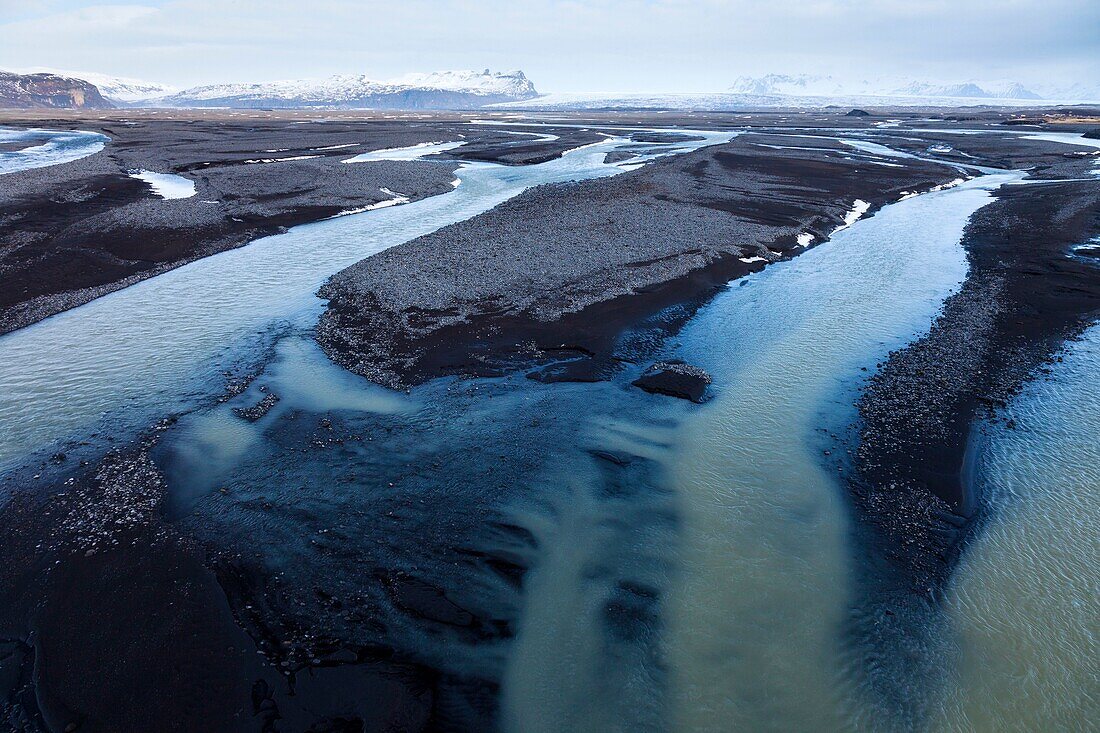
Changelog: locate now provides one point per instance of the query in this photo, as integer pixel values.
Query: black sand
(72, 232)
(113, 618)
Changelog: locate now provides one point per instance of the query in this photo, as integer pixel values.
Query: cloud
(565, 45)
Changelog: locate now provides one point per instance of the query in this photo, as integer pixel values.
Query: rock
(30, 91)
(674, 379)
(858, 113)
(426, 601)
(261, 408)
(341, 656)
(1093, 134)
(618, 156)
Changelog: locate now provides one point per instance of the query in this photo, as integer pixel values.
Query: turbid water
(751, 616)
(1023, 605)
(153, 348)
(689, 565)
(53, 148)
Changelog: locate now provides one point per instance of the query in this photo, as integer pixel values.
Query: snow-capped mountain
(510, 83)
(788, 85)
(127, 91)
(30, 91)
(803, 85)
(439, 90)
(121, 90)
(966, 90)
(1070, 92)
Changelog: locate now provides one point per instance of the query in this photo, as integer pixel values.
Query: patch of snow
(166, 185)
(411, 152)
(396, 200)
(859, 208)
(253, 161)
(949, 184)
(805, 239)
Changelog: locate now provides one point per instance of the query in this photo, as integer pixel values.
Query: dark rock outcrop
(30, 91)
(858, 113)
(674, 379)
(258, 410)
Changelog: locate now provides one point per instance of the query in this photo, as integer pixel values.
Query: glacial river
(690, 566)
(53, 148)
(151, 349)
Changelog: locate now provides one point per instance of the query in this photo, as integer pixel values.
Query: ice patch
(750, 260)
(805, 239)
(166, 185)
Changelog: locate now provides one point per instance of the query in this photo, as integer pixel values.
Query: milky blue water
(46, 148)
(631, 562)
(157, 347)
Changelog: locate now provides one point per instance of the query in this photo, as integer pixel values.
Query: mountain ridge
(432, 90)
(828, 86)
(37, 91)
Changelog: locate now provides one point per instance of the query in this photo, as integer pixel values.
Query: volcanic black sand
(114, 618)
(72, 232)
(570, 266)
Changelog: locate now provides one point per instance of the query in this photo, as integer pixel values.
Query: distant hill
(439, 90)
(33, 91)
(119, 90)
(804, 85)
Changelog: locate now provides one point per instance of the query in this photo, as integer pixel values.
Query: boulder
(674, 379)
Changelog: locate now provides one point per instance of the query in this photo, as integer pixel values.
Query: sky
(570, 46)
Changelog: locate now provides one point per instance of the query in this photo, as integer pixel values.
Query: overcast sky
(563, 45)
